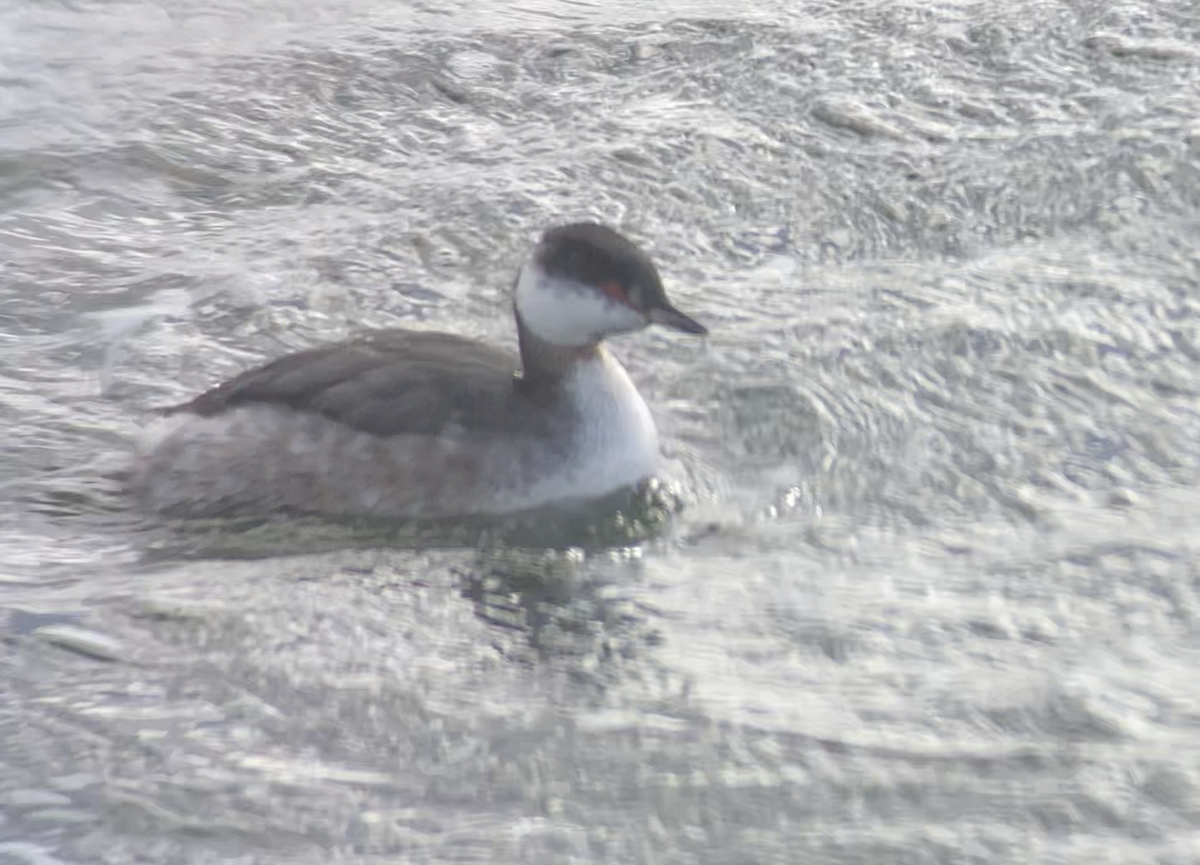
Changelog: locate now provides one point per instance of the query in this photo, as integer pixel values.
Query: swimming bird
(403, 423)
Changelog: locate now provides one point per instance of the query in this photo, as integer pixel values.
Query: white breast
(619, 430)
(617, 441)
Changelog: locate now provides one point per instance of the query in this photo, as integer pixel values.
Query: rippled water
(934, 595)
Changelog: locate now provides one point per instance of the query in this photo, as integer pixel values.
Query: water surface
(933, 594)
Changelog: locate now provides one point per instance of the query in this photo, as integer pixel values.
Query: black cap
(595, 254)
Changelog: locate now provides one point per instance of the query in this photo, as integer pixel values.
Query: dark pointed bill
(669, 316)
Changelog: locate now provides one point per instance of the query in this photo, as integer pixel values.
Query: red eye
(616, 291)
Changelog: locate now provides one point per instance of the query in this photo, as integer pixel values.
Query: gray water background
(934, 593)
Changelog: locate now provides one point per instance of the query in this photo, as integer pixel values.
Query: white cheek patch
(569, 314)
